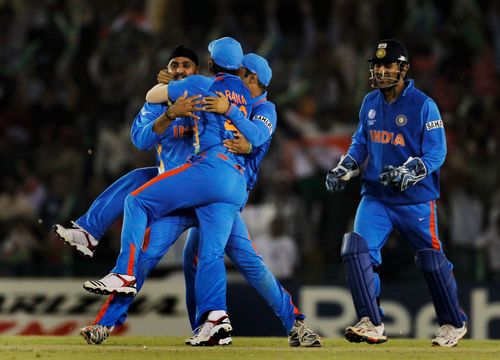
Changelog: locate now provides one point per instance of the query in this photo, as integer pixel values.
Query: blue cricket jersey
(211, 129)
(173, 146)
(264, 117)
(388, 134)
(176, 143)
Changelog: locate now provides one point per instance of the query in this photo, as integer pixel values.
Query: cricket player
(165, 231)
(212, 182)
(402, 139)
(256, 75)
(146, 133)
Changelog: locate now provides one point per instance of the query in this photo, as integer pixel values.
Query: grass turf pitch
(143, 347)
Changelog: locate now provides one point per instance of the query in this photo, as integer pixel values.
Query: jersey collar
(409, 87)
(222, 75)
(259, 99)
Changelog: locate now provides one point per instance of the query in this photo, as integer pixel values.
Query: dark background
(73, 74)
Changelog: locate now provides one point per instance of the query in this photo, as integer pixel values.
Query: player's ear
(210, 65)
(253, 78)
(406, 67)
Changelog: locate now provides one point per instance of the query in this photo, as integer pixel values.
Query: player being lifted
(401, 135)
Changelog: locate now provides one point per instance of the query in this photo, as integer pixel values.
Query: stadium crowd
(73, 74)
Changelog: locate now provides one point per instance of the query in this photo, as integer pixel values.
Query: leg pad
(442, 285)
(356, 258)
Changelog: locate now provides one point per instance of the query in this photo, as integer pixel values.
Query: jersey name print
(266, 121)
(434, 124)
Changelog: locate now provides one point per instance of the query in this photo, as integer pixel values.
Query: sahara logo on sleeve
(265, 121)
(434, 124)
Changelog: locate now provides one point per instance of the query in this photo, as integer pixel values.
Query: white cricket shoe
(95, 334)
(113, 284)
(364, 330)
(224, 341)
(213, 332)
(448, 335)
(77, 237)
(302, 335)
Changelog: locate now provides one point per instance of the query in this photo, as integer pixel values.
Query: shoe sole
(85, 251)
(225, 341)
(351, 336)
(316, 343)
(437, 344)
(104, 291)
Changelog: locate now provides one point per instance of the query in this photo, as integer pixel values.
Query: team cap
(259, 66)
(226, 52)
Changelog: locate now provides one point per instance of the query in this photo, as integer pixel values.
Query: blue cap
(259, 66)
(226, 52)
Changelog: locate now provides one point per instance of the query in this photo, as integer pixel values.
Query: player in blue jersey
(239, 248)
(401, 137)
(87, 230)
(256, 75)
(211, 181)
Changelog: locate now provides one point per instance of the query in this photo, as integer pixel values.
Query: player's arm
(194, 85)
(152, 121)
(142, 134)
(257, 131)
(239, 144)
(158, 94)
(182, 107)
(416, 169)
(434, 138)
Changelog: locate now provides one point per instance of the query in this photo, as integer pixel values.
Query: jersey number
(228, 125)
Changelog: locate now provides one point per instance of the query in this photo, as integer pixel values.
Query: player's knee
(353, 244)
(430, 260)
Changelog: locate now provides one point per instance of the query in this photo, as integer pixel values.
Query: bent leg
(157, 241)
(108, 206)
(176, 189)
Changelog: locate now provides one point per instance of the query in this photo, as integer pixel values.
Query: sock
(216, 315)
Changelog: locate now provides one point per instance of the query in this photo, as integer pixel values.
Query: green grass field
(134, 347)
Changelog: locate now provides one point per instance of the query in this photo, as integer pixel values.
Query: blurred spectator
(489, 242)
(278, 250)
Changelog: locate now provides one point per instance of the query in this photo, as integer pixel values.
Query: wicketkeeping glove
(337, 178)
(408, 174)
